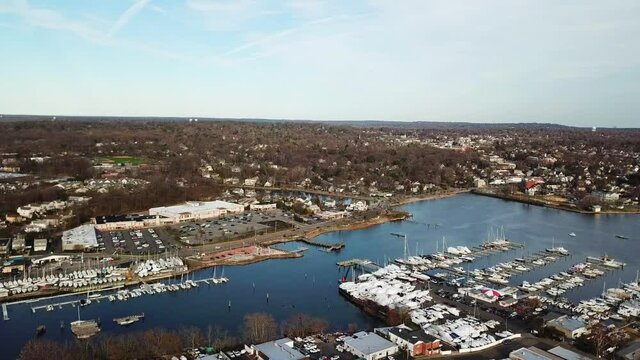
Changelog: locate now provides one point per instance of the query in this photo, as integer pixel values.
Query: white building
(81, 238)
(262, 207)
(369, 346)
(40, 245)
(195, 210)
(358, 206)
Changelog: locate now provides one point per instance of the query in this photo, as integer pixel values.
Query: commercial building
(262, 207)
(369, 346)
(567, 354)
(630, 352)
(275, 350)
(81, 238)
(127, 222)
(568, 327)
(196, 210)
(532, 353)
(417, 342)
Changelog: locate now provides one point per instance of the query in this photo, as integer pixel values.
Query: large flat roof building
(196, 210)
(276, 350)
(369, 346)
(81, 238)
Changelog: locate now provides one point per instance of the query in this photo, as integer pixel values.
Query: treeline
(156, 343)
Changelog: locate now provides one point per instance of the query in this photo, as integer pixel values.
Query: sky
(573, 62)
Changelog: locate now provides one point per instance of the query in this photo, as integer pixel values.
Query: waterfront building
(275, 350)
(369, 346)
(81, 238)
(570, 328)
(417, 342)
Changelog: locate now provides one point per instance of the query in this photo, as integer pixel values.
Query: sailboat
(557, 250)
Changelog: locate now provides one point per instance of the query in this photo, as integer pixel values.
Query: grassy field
(129, 160)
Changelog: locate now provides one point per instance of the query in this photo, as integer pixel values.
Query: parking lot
(232, 227)
(135, 242)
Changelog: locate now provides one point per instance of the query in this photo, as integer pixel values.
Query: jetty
(327, 246)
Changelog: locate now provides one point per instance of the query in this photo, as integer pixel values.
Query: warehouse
(81, 238)
(195, 210)
(369, 346)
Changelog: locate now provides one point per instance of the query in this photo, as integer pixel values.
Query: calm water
(309, 284)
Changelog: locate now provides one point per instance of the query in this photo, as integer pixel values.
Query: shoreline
(542, 203)
(437, 196)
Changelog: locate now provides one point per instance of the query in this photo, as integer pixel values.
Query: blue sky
(570, 62)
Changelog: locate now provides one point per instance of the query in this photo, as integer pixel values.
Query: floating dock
(5, 313)
(328, 246)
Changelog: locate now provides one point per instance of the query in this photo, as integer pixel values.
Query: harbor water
(310, 284)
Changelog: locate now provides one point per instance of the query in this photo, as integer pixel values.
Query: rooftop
(195, 207)
(567, 354)
(412, 336)
(532, 353)
(368, 343)
(280, 350)
(104, 219)
(568, 323)
(630, 349)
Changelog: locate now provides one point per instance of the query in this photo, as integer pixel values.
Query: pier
(5, 313)
(327, 246)
(366, 265)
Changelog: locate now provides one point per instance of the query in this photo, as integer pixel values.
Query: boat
(128, 320)
(49, 307)
(40, 330)
(622, 237)
(572, 234)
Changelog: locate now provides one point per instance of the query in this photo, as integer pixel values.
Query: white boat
(572, 234)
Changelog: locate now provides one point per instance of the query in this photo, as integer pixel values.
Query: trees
(301, 325)
(259, 328)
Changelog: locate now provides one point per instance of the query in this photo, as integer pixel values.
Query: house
(18, 243)
(369, 346)
(606, 196)
(275, 350)
(630, 352)
(479, 183)
(40, 245)
(568, 327)
(251, 181)
(417, 342)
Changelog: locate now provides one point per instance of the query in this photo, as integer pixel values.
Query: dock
(5, 313)
(365, 265)
(328, 246)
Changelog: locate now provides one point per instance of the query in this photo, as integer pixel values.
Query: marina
(315, 276)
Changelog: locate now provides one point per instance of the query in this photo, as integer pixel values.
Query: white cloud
(129, 14)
